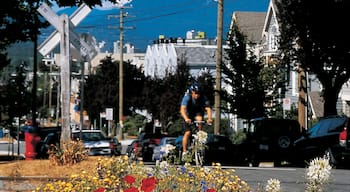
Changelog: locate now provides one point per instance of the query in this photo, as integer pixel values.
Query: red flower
(148, 184)
(129, 179)
(211, 190)
(131, 189)
(101, 189)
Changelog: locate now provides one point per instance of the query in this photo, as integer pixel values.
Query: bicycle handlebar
(199, 122)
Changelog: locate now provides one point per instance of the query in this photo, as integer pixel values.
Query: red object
(31, 140)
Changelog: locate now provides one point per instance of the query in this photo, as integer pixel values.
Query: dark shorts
(186, 127)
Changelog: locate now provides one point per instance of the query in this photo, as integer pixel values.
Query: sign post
(65, 35)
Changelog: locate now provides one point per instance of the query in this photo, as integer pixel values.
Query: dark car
(42, 148)
(147, 142)
(327, 137)
(133, 150)
(218, 149)
(268, 139)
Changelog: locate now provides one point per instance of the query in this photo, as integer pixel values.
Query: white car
(97, 143)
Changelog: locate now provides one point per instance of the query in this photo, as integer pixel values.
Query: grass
(41, 167)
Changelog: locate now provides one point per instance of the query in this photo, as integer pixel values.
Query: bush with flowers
(117, 174)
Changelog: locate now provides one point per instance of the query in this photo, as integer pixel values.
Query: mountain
(144, 21)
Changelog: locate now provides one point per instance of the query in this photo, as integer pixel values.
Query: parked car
(329, 136)
(268, 139)
(143, 148)
(157, 153)
(133, 150)
(42, 148)
(41, 131)
(97, 143)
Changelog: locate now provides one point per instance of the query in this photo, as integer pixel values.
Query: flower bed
(117, 174)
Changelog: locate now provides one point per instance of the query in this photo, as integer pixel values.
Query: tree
(101, 89)
(163, 96)
(242, 75)
(18, 97)
(313, 36)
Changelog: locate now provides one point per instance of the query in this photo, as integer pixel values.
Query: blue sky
(171, 18)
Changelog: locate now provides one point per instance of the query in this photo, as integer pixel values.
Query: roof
(316, 103)
(250, 24)
(197, 55)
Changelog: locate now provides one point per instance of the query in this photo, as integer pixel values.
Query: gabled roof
(271, 13)
(250, 24)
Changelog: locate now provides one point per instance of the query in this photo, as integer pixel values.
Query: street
(11, 148)
(292, 179)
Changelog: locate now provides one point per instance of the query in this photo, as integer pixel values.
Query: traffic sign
(52, 41)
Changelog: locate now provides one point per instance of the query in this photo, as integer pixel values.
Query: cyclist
(193, 107)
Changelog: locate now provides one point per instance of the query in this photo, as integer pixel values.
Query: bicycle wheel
(199, 155)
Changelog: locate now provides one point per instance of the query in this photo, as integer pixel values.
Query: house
(162, 57)
(270, 35)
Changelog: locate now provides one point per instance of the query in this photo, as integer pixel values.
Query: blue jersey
(195, 106)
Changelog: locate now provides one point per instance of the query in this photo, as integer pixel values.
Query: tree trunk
(330, 96)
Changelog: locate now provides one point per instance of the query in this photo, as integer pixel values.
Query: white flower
(319, 170)
(273, 185)
(167, 148)
(318, 174)
(202, 137)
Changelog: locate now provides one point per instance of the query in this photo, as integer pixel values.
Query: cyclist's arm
(183, 108)
(183, 111)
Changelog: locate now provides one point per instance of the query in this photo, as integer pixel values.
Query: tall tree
(245, 96)
(175, 87)
(315, 38)
(101, 90)
(18, 97)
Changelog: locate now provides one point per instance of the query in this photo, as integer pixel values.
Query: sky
(147, 19)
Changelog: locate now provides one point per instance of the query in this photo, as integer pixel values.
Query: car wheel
(329, 154)
(284, 142)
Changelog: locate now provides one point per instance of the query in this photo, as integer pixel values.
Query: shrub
(71, 153)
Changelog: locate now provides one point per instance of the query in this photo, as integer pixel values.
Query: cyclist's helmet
(196, 88)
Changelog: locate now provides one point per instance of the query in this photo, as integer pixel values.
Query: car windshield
(90, 136)
(325, 126)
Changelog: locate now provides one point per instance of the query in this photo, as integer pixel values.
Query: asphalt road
(292, 179)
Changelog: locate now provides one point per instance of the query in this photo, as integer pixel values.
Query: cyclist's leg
(185, 139)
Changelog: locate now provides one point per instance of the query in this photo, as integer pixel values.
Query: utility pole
(218, 67)
(302, 97)
(120, 4)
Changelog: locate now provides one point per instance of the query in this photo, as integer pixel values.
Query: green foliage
(133, 123)
(238, 137)
(323, 51)
(242, 73)
(102, 90)
(18, 96)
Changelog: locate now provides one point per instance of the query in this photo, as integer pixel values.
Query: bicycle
(197, 144)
